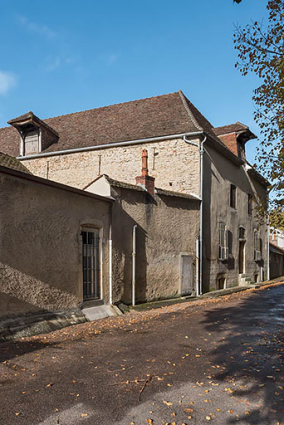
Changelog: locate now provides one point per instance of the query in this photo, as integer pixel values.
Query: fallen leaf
(168, 403)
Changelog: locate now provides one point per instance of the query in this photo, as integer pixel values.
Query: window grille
(91, 264)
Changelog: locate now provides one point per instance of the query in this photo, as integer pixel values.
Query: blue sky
(59, 57)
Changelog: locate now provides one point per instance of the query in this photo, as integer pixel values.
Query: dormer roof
(238, 128)
(30, 119)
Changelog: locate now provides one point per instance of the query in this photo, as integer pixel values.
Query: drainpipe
(197, 265)
(268, 254)
(134, 263)
(110, 254)
(201, 153)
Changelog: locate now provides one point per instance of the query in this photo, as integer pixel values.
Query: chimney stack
(145, 180)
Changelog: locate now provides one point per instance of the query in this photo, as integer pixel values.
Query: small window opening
(221, 283)
(233, 192)
(242, 232)
(249, 204)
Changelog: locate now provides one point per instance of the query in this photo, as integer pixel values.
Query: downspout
(268, 252)
(201, 153)
(110, 254)
(134, 263)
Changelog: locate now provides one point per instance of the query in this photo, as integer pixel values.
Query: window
(257, 246)
(233, 192)
(221, 283)
(249, 204)
(31, 142)
(223, 242)
(242, 232)
(91, 263)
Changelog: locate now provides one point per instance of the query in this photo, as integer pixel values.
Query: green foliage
(261, 51)
(276, 218)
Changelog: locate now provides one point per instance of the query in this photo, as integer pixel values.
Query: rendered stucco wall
(40, 245)
(166, 227)
(220, 173)
(173, 163)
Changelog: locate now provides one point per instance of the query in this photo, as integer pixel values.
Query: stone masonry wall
(173, 163)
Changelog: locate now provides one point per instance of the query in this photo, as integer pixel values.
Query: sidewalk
(211, 294)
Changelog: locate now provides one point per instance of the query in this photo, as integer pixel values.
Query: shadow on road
(251, 352)
(10, 350)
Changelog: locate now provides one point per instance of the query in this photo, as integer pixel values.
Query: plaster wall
(41, 246)
(166, 227)
(173, 163)
(219, 174)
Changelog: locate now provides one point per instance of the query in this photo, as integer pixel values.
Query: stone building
(51, 237)
(186, 156)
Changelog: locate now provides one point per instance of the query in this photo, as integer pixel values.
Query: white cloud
(37, 28)
(7, 81)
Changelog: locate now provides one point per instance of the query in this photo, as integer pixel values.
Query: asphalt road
(218, 361)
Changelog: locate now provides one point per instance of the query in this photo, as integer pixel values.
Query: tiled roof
(124, 185)
(231, 128)
(10, 162)
(145, 118)
(176, 194)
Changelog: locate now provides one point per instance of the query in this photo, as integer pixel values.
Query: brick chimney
(145, 180)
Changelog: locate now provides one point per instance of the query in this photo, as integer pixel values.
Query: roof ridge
(190, 114)
(107, 106)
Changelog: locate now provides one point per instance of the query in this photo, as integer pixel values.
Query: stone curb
(35, 324)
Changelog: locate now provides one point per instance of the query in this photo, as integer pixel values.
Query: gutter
(201, 153)
(110, 145)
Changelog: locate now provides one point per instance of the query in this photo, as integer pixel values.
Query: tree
(261, 51)
(276, 218)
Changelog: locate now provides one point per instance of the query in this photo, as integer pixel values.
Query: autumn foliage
(261, 51)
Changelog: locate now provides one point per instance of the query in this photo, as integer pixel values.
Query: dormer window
(35, 134)
(31, 142)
